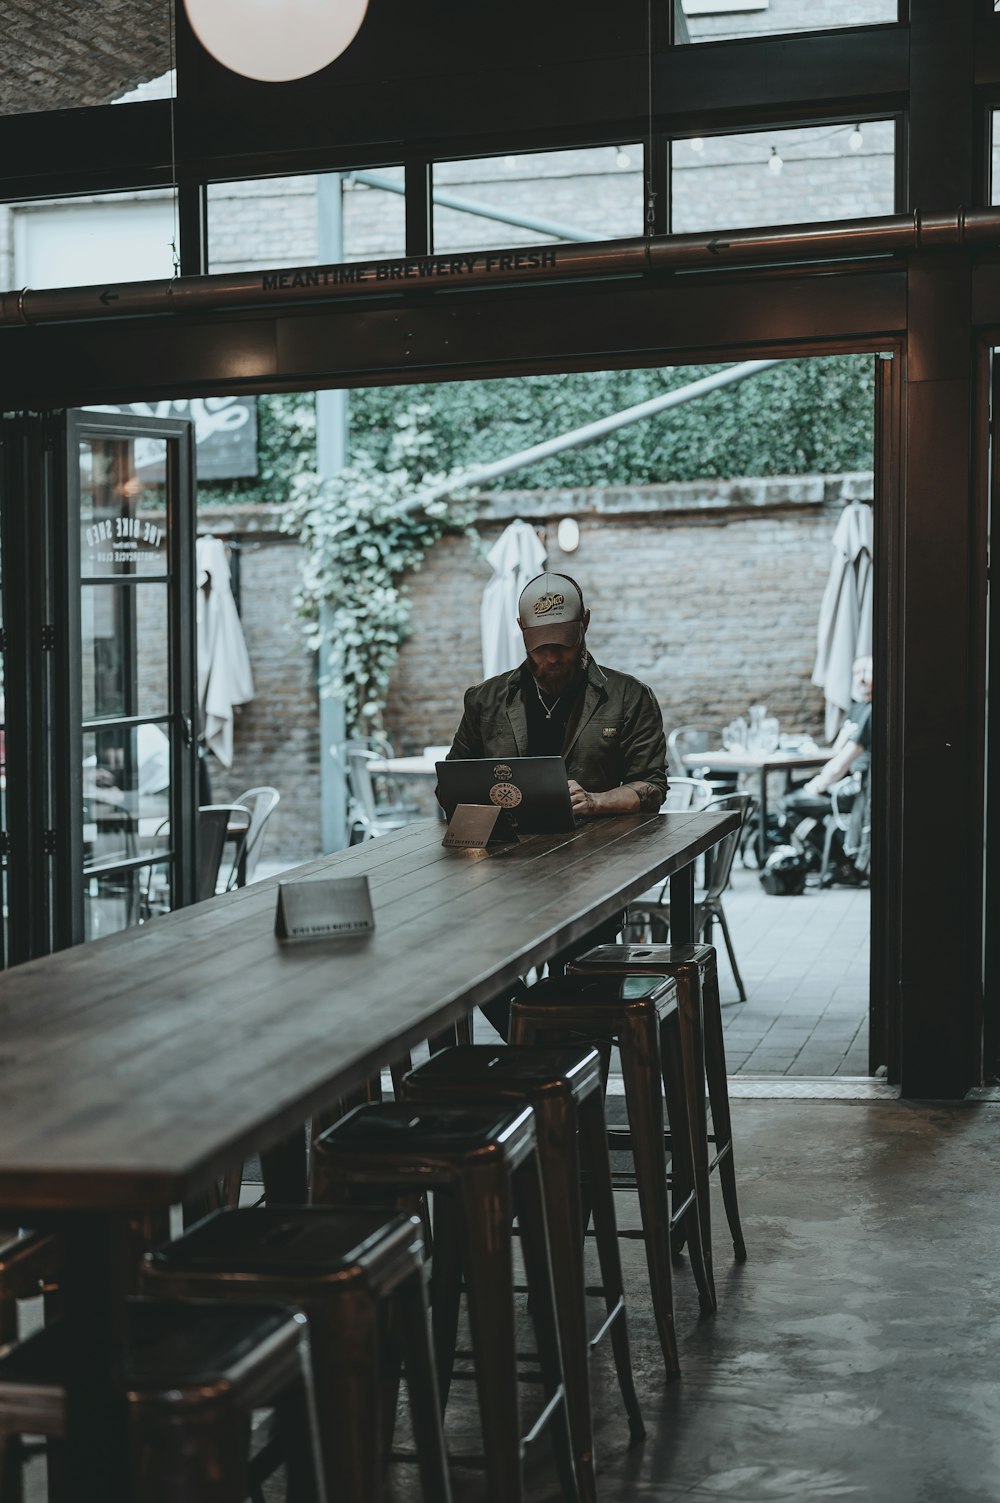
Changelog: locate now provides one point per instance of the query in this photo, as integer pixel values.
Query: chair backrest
(686, 793)
(214, 824)
(719, 860)
(688, 738)
(359, 781)
(261, 803)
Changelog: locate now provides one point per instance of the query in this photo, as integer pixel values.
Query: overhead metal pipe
(317, 285)
(475, 206)
(590, 432)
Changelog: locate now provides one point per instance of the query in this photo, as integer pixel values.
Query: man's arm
(835, 769)
(644, 767)
(468, 740)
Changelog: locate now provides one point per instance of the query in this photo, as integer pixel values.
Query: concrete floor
(852, 1357)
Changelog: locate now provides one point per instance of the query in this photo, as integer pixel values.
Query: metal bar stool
(564, 1088)
(639, 1014)
(29, 1262)
(695, 970)
(482, 1167)
(357, 1275)
(194, 1375)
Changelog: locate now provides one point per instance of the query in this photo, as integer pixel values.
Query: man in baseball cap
(559, 702)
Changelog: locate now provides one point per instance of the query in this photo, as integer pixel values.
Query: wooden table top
(135, 1068)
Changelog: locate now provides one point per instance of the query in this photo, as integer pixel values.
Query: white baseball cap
(550, 610)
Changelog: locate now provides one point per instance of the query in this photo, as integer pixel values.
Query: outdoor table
(420, 766)
(761, 763)
(139, 1068)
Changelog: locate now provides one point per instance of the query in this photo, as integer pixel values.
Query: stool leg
(11, 1449)
(597, 1170)
(489, 1275)
(205, 1460)
(559, 1163)
(345, 1366)
(639, 1046)
(296, 1416)
(422, 1386)
(677, 1089)
(446, 1286)
(284, 1168)
(718, 1091)
(531, 1215)
(689, 1012)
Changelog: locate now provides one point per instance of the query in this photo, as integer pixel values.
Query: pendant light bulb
(774, 162)
(856, 140)
(697, 144)
(275, 41)
(622, 159)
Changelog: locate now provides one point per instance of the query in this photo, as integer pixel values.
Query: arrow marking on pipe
(715, 246)
(107, 296)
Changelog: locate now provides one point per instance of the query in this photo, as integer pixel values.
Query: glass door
(98, 806)
(130, 545)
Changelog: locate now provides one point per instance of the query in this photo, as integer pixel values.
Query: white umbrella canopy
(516, 556)
(845, 615)
(224, 676)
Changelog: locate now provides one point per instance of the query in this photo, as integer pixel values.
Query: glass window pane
(124, 650)
(79, 242)
(126, 808)
(123, 506)
(85, 55)
(728, 20)
(784, 176)
(594, 193)
(269, 222)
(995, 162)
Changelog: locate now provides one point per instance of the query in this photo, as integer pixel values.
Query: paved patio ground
(804, 962)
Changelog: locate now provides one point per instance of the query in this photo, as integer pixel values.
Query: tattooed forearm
(650, 797)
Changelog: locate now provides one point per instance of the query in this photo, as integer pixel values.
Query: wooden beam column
(936, 792)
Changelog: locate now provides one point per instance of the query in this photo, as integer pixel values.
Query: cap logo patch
(610, 730)
(502, 772)
(546, 603)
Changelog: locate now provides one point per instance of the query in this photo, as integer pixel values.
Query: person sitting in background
(810, 808)
(854, 739)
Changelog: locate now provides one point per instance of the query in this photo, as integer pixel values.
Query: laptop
(532, 792)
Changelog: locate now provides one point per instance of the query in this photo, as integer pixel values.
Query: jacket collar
(594, 695)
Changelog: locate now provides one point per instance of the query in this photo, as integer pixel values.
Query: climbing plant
(361, 535)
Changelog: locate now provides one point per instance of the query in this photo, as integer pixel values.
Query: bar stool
(352, 1273)
(194, 1375)
(640, 1014)
(564, 1088)
(29, 1263)
(695, 970)
(482, 1167)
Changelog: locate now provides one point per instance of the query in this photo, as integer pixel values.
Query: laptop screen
(533, 792)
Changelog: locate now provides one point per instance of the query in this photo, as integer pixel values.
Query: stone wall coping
(674, 498)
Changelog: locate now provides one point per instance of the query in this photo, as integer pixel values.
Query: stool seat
(504, 1073)
(193, 1375)
(360, 1277)
(431, 1143)
(695, 969)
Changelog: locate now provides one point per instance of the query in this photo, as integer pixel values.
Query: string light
(622, 159)
(697, 144)
(857, 140)
(774, 162)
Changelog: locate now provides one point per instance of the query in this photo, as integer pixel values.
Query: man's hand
(584, 803)
(625, 800)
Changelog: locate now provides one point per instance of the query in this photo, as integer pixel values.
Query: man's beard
(555, 680)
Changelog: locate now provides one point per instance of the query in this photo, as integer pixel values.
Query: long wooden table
(136, 1069)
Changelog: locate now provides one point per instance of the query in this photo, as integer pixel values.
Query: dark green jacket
(615, 737)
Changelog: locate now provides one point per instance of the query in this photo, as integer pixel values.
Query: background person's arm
(835, 769)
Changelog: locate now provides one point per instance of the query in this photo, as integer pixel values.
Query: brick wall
(709, 591)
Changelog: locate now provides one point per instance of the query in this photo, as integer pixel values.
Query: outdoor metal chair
(688, 739)
(261, 803)
(216, 823)
(686, 793)
(651, 911)
(375, 807)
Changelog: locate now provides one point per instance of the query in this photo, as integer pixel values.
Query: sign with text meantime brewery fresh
(225, 435)
(415, 269)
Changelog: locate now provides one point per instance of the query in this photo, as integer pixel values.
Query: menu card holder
(324, 908)
(473, 827)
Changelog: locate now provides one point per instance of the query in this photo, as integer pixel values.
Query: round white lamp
(568, 535)
(275, 40)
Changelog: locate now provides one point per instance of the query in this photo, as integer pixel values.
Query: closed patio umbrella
(845, 616)
(224, 676)
(516, 556)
